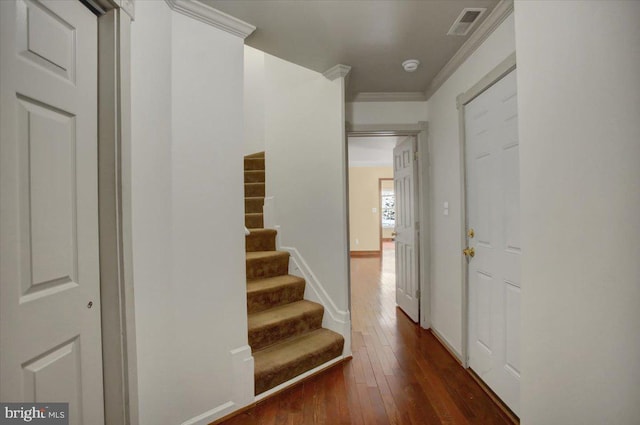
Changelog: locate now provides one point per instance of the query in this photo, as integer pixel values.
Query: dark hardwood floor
(399, 374)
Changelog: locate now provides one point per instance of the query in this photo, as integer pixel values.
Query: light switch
(374, 210)
(446, 205)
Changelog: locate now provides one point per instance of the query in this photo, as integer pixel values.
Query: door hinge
(415, 156)
(417, 293)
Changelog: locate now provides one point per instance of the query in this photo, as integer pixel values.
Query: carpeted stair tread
(263, 264)
(254, 220)
(254, 189)
(254, 176)
(279, 323)
(253, 163)
(260, 240)
(280, 362)
(253, 204)
(263, 294)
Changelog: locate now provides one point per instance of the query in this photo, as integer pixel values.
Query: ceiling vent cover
(466, 20)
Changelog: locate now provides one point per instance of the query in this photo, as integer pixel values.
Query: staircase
(285, 330)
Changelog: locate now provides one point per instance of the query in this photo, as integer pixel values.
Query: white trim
(409, 96)
(367, 130)
(299, 378)
(337, 71)
(475, 40)
(335, 319)
(207, 14)
(242, 365)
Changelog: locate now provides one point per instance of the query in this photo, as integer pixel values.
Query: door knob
(469, 252)
(393, 233)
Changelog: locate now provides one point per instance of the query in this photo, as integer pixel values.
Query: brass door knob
(394, 234)
(469, 252)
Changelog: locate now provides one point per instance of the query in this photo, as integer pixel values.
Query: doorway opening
(384, 211)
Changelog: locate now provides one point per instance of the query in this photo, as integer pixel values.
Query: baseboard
(447, 345)
(334, 319)
(363, 254)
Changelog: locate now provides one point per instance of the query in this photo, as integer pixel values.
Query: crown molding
(411, 96)
(337, 72)
(499, 13)
(207, 14)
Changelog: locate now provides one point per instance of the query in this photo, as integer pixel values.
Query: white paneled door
(406, 232)
(493, 231)
(49, 277)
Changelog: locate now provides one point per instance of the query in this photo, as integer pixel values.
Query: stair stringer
(334, 319)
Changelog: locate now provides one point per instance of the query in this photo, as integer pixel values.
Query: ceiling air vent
(466, 21)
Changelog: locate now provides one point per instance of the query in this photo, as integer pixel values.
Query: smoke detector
(466, 20)
(411, 65)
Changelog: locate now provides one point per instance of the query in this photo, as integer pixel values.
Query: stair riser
(267, 267)
(285, 329)
(254, 163)
(254, 189)
(254, 176)
(260, 242)
(253, 205)
(254, 221)
(269, 379)
(277, 297)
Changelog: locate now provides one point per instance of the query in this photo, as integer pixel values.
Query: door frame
(421, 132)
(114, 205)
(380, 179)
(495, 75)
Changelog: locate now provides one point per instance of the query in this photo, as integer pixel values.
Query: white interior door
(406, 237)
(493, 212)
(49, 277)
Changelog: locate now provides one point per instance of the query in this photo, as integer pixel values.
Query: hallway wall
(579, 103)
(188, 236)
(444, 146)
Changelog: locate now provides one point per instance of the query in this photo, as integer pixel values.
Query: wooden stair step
(253, 163)
(254, 189)
(263, 294)
(283, 322)
(260, 240)
(263, 264)
(280, 362)
(254, 176)
(254, 221)
(255, 155)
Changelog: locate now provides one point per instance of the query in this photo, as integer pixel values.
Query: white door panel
(404, 179)
(493, 212)
(50, 338)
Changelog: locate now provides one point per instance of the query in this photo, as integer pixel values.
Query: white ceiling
(371, 36)
(371, 151)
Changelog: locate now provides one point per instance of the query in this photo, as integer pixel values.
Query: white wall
(253, 100)
(579, 104)
(306, 170)
(189, 272)
(386, 112)
(444, 146)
